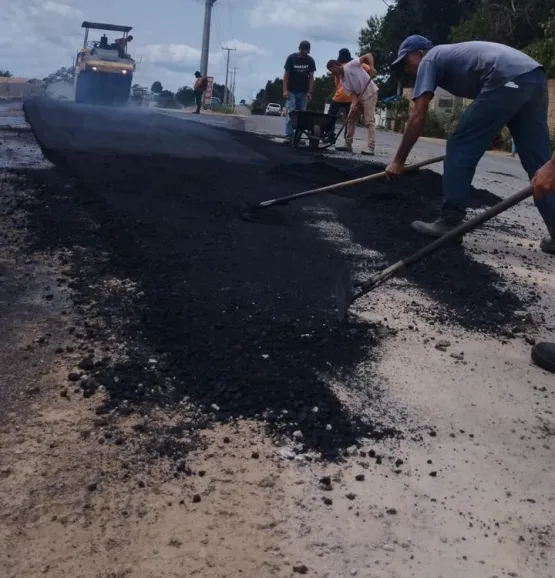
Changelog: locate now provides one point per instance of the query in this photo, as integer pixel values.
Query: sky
(39, 36)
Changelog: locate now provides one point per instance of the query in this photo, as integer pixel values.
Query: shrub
(433, 126)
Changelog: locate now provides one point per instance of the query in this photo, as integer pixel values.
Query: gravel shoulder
(115, 462)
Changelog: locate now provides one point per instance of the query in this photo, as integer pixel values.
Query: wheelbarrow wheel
(314, 138)
(297, 137)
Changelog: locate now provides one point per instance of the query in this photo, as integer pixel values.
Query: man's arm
(414, 128)
(285, 83)
(369, 60)
(310, 84)
(287, 68)
(311, 72)
(544, 179)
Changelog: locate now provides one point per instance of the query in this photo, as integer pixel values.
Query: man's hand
(394, 170)
(309, 96)
(544, 180)
(285, 93)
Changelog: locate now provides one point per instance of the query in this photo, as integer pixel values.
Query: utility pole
(206, 36)
(235, 69)
(226, 92)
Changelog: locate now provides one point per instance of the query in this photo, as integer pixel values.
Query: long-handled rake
(346, 292)
(251, 212)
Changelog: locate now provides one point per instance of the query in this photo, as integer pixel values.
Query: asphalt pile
(238, 318)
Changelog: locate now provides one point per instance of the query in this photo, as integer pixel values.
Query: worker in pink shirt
(357, 83)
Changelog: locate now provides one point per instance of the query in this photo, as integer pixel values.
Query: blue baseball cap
(411, 44)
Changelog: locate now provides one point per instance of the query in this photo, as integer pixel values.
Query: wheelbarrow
(313, 125)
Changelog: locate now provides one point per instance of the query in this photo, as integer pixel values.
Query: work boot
(543, 355)
(369, 152)
(547, 245)
(347, 148)
(436, 229)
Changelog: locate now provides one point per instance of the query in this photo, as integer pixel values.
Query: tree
(166, 99)
(5, 74)
(382, 36)
(185, 96)
(544, 50)
(64, 73)
(157, 87)
(218, 90)
(324, 87)
(272, 92)
(517, 23)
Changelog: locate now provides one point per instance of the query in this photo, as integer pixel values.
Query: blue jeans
(295, 101)
(524, 110)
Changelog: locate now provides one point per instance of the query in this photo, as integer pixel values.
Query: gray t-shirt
(468, 68)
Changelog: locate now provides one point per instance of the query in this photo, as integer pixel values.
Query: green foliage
(66, 74)
(5, 74)
(552, 138)
(272, 92)
(382, 36)
(451, 121)
(517, 23)
(157, 87)
(433, 127)
(185, 96)
(543, 50)
(166, 99)
(324, 87)
(258, 106)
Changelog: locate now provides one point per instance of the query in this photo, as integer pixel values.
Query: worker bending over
(357, 82)
(508, 87)
(341, 102)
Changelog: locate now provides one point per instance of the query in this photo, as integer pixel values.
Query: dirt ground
(142, 437)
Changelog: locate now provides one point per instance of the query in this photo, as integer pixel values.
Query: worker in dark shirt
(507, 87)
(298, 83)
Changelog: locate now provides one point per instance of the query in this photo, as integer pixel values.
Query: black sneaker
(543, 355)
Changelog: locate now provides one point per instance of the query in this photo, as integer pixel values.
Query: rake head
(249, 212)
(344, 293)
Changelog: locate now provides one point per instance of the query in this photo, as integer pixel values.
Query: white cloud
(181, 58)
(244, 49)
(43, 35)
(174, 57)
(325, 20)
